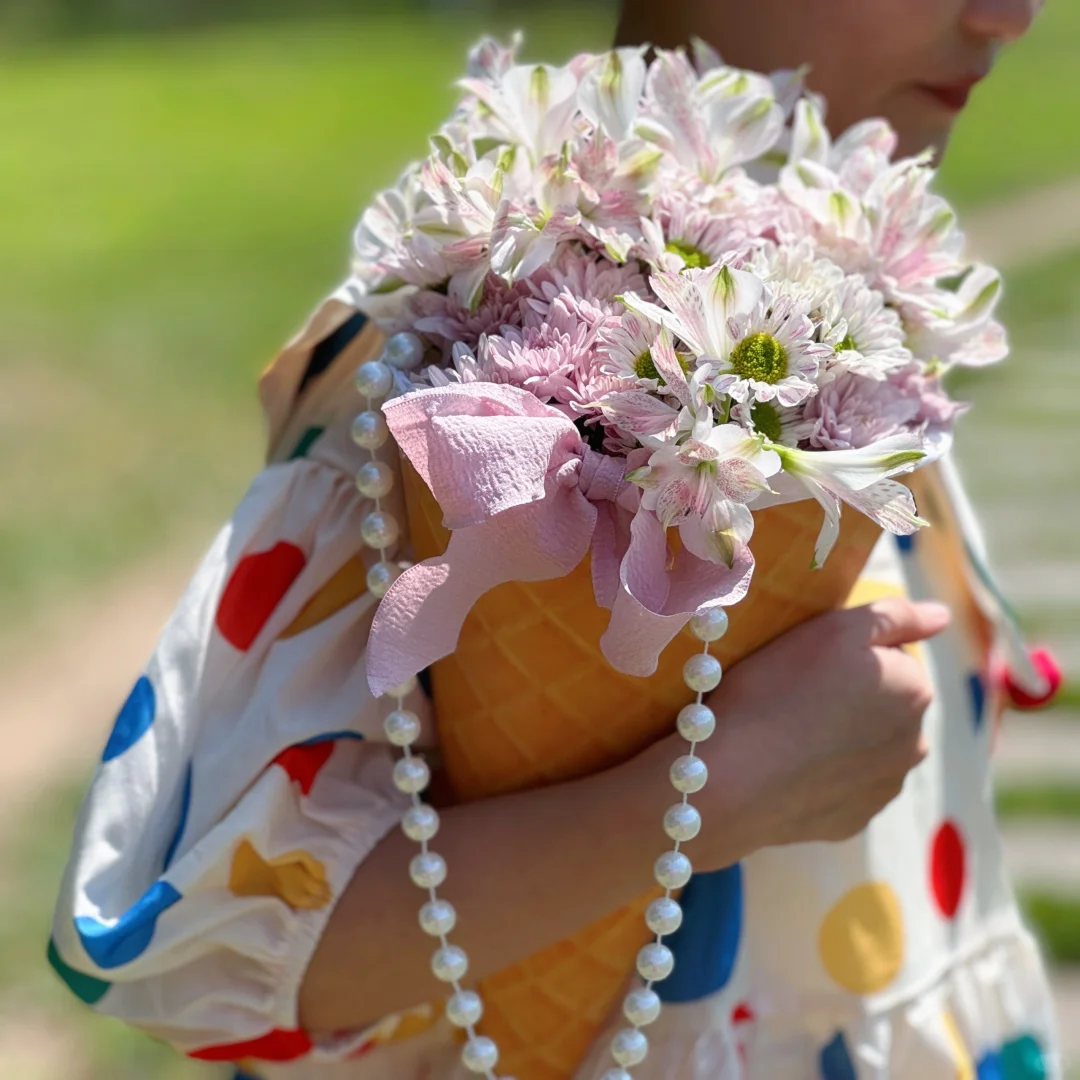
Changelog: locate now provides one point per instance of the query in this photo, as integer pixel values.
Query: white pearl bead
(702, 673)
(380, 577)
(438, 918)
(663, 916)
(379, 529)
(682, 822)
(616, 1074)
(404, 689)
(449, 963)
(374, 379)
(697, 723)
(464, 1009)
(689, 774)
(402, 727)
(672, 870)
(479, 1054)
(427, 870)
(710, 625)
(641, 1007)
(655, 962)
(374, 479)
(403, 351)
(411, 775)
(420, 823)
(629, 1047)
(369, 430)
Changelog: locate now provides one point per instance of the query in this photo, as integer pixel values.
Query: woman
(855, 940)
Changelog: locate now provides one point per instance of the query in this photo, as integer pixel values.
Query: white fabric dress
(247, 778)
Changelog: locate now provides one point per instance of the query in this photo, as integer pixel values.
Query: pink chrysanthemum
(853, 411)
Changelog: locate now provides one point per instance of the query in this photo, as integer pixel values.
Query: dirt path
(1027, 228)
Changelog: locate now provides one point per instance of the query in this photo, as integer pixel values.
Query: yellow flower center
(767, 421)
(645, 368)
(694, 257)
(760, 357)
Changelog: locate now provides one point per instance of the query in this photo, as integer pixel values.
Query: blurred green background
(177, 191)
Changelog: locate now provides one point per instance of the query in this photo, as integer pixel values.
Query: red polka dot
(362, 1049)
(275, 1046)
(255, 589)
(303, 763)
(948, 869)
(742, 1014)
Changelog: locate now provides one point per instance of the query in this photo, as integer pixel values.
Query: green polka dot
(1023, 1059)
(85, 987)
(307, 441)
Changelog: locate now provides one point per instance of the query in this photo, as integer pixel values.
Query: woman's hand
(817, 731)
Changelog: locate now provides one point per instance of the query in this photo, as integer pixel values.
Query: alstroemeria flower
(703, 485)
(959, 327)
(707, 123)
(860, 478)
(529, 106)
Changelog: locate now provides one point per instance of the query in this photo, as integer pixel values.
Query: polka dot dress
(246, 778)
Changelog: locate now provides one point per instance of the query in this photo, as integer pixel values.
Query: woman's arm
(817, 733)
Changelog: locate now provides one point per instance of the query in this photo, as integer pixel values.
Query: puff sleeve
(246, 776)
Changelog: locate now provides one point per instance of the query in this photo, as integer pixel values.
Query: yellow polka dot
(965, 1067)
(414, 1022)
(861, 941)
(297, 877)
(867, 590)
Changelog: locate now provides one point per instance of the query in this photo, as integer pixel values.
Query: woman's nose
(1001, 20)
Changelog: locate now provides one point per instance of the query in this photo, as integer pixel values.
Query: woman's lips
(952, 96)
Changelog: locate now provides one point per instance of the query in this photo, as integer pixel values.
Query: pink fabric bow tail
(503, 466)
(658, 594)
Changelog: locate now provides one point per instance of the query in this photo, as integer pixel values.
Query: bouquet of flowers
(634, 308)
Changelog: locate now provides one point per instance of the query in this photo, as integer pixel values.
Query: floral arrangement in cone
(632, 296)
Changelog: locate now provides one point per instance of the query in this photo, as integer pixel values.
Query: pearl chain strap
(682, 822)
(380, 530)
(672, 870)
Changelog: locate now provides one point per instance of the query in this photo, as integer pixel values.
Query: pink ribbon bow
(526, 498)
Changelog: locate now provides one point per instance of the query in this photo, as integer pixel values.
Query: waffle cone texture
(507, 723)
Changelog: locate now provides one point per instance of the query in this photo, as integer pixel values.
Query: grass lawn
(171, 208)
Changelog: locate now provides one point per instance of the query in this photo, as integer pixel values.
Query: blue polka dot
(245, 1076)
(906, 544)
(978, 699)
(991, 1067)
(111, 945)
(185, 809)
(85, 987)
(134, 720)
(1023, 1059)
(835, 1060)
(707, 944)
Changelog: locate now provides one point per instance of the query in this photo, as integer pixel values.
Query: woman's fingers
(895, 621)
